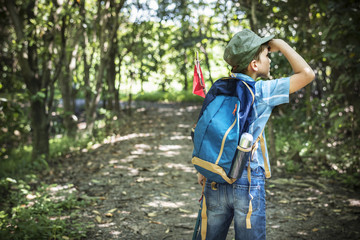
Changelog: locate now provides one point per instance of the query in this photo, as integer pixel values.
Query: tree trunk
(106, 34)
(65, 84)
(111, 77)
(207, 62)
(253, 19)
(35, 83)
(40, 129)
(184, 71)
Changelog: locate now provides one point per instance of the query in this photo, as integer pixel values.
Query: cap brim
(266, 39)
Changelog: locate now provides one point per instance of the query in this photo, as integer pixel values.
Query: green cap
(242, 48)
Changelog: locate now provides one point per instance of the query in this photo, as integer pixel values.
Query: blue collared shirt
(268, 94)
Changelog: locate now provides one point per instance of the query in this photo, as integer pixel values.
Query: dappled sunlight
(60, 217)
(131, 171)
(103, 225)
(162, 203)
(129, 159)
(142, 146)
(354, 202)
(167, 150)
(302, 233)
(96, 146)
(180, 135)
(115, 233)
(55, 188)
(144, 179)
(169, 147)
(113, 161)
(142, 149)
(132, 136)
(193, 215)
(117, 138)
(180, 166)
(186, 126)
(173, 138)
(191, 108)
(169, 153)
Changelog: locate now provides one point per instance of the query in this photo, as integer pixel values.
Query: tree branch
(26, 71)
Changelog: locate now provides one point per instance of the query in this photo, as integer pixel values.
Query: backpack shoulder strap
(252, 93)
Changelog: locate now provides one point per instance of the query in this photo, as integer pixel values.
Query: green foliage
(155, 47)
(37, 211)
(159, 96)
(14, 126)
(60, 146)
(19, 162)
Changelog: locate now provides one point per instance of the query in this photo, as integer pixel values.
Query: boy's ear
(254, 66)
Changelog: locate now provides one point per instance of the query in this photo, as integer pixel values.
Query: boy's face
(264, 64)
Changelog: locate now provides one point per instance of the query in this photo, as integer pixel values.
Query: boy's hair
(256, 57)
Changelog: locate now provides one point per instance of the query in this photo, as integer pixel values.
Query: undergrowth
(34, 210)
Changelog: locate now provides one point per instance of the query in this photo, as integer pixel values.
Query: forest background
(72, 69)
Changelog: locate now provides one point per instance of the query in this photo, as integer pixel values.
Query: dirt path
(146, 186)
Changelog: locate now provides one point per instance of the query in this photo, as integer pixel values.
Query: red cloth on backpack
(198, 84)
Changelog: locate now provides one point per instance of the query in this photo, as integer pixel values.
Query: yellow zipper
(223, 140)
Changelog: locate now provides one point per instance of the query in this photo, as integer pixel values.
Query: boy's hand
(200, 179)
(275, 45)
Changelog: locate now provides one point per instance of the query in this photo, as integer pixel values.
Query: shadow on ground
(145, 186)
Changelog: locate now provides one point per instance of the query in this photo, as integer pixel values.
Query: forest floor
(146, 187)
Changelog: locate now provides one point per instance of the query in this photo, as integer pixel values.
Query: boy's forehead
(266, 50)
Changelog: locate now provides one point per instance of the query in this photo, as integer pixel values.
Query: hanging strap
(248, 222)
(203, 213)
(263, 150)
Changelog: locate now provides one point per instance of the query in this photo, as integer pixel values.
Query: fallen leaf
(164, 195)
(154, 169)
(337, 210)
(108, 214)
(112, 210)
(315, 229)
(184, 211)
(284, 201)
(168, 184)
(96, 212)
(95, 181)
(65, 237)
(155, 222)
(153, 214)
(167, 230)
(98, 219)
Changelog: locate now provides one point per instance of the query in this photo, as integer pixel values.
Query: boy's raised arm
(303, 74)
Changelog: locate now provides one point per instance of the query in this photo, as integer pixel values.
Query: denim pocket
(212, 197)
(242, 197)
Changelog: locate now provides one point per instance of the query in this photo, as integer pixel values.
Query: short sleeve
(275, 92)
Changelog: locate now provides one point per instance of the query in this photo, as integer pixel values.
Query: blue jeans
(227, 202)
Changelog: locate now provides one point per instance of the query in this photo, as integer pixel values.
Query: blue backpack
(223, 118)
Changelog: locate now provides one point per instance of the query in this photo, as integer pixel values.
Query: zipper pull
(234, 109)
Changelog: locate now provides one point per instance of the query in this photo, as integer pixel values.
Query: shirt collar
(242, 76)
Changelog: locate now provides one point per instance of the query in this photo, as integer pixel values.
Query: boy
(247, 54)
